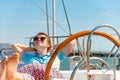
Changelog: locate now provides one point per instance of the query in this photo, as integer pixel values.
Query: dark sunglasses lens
(42, 38)
(36, 38)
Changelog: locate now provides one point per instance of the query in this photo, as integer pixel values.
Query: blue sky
(20, 19)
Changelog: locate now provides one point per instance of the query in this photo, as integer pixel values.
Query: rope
(33, 1)
(66, 17)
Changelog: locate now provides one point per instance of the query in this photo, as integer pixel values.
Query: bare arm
(20, 48)
(67, 49)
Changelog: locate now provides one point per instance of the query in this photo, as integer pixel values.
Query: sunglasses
(39, 38)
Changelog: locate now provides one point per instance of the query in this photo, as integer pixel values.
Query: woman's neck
(42, 51)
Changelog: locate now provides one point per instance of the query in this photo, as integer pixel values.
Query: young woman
(42, 51)
(36, 58)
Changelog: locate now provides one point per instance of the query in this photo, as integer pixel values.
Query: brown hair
(48, 38)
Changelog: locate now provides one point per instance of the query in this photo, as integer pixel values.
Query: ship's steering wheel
(75, 36)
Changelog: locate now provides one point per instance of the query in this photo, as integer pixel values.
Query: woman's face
(41, 41)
